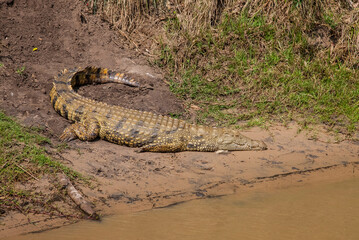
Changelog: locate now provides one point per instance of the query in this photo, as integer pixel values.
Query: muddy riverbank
(40, 38)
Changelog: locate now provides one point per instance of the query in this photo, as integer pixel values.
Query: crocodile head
(234, 141)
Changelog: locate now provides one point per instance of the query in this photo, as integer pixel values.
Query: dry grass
(127, 15)
(330, 24)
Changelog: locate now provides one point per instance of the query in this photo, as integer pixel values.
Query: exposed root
(78, 199)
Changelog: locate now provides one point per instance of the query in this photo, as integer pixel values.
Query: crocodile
(145, 130)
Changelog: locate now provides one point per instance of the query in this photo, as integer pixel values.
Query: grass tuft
(21, 70)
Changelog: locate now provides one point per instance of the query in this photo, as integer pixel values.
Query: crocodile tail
(97, 75)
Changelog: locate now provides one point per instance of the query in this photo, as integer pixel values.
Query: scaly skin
(146, 130)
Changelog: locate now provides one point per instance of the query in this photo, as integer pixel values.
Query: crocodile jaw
(239, 143)
(253, 145)
(258, 145)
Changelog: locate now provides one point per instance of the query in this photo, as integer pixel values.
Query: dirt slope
(66, 36)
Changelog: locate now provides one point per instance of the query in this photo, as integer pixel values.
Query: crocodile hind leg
(87, 130)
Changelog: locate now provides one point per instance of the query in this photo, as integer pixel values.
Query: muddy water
(319, 211)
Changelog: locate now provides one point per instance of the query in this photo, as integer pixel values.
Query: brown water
(319, 211)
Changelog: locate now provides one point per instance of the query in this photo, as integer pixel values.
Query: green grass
(262, 73)
(21, 70)
(23, 158)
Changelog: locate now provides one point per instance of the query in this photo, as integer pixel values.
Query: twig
(350, 3)
(21, 210)
(3, 165)
(19, 166)
(128, 39)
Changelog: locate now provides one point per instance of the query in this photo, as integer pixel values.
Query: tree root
(78, 199)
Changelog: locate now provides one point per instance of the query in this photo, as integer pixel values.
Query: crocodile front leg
(86, 130)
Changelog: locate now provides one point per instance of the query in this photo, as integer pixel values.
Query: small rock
(222, 152)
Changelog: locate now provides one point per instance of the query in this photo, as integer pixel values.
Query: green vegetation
(21, 70)
(255, 61)
(249, 67)
(23, 158)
